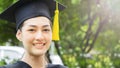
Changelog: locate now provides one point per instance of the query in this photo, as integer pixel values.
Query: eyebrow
(36, 26)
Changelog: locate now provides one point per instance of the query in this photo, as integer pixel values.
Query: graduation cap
(25, 9)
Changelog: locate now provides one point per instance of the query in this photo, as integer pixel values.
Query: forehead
(37, 21)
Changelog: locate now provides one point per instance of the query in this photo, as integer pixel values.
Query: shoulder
(55, 66)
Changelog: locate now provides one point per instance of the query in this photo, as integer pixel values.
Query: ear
(19, 35)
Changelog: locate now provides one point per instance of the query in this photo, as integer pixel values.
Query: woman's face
(36, 35)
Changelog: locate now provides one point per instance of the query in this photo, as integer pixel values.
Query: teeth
(39, 44)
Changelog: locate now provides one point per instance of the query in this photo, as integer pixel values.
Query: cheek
(27, 42)
(27, 38)
(49, 36)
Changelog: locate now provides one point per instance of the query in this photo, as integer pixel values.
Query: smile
(39, 46)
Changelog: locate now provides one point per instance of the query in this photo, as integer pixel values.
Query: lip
(39, 45)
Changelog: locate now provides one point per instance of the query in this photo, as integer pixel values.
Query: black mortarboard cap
(25, 9)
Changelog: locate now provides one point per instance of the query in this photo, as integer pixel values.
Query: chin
(36, 53)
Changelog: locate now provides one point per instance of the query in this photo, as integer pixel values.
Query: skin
(36, 36)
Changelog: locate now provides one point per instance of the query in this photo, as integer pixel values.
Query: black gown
(21, 64)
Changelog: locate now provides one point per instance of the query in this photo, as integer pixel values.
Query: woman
(33, 24)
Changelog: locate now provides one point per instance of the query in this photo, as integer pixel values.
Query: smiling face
(36, 35)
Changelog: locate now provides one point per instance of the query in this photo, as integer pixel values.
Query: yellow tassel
(55, 33)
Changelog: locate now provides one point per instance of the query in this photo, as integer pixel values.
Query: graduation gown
(21, 64)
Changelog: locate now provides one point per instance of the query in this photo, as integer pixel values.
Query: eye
(31, 30)
(46, 30)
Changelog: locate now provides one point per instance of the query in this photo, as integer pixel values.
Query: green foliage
(88, 18)
(6, 60)
(2, 62)
(7, 29)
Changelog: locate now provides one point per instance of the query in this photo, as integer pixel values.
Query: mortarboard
(25, 9)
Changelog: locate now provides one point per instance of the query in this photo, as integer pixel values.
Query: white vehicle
(15, 52)
(10, 53)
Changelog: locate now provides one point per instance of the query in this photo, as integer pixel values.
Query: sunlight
(109, 5)
(112, 5)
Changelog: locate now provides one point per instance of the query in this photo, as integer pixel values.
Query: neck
(35, 61)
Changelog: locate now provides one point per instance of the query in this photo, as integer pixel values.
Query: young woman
(33, 24)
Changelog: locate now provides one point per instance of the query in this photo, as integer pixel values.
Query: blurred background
(89, 32)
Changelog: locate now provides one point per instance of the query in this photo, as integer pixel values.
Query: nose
(39, 36)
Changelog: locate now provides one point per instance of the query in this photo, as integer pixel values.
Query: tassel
(55, 32)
